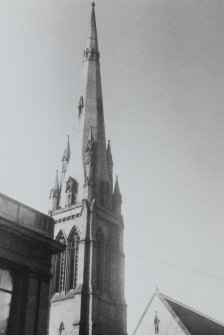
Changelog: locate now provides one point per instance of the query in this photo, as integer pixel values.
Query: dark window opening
(6, 288)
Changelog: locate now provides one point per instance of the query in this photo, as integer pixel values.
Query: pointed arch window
(60, 263)
(73, 254)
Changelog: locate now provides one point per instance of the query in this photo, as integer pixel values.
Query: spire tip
(93, 4)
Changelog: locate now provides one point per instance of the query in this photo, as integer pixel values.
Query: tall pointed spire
(92, 38)
(92, 115)
(89, 116)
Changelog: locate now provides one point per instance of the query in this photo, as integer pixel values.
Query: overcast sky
(162, 66)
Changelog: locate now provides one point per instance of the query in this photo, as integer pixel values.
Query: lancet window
(73, 253)
(60, 267)
(65, 264)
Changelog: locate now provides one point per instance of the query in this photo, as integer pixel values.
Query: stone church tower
(87, 295)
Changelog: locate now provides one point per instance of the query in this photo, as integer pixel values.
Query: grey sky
(162, 65)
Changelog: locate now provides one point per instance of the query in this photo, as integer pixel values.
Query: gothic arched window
(60, 264)
(73, 253)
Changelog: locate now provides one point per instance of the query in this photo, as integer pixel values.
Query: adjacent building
(166, 316)
(87, 294)
(26, 247)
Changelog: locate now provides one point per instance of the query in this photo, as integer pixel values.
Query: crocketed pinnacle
(90, 140)
(56, 185)
(109, 154)
(117, 188)
(67, 151)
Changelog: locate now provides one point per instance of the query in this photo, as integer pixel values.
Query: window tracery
(73, 253)
(65, 264)
(59, 267)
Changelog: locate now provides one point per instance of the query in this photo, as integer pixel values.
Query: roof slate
(195, 322)
(191, 321)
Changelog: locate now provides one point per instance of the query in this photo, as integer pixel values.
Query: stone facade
(87, 295)
(26, 247)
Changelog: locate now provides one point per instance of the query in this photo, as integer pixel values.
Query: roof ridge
(191, 309)
(173, 313)
(145, 311)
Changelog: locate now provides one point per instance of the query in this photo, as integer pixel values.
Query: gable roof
(196, 322)
(191, 321)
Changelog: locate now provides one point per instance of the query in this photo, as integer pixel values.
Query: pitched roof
(194, 321)
(191, 321)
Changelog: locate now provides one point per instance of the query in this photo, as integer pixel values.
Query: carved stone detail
(156, 323)
(71, 192)
(92, 54)
(81, 105)
(89, 160)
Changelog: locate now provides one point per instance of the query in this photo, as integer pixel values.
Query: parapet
(24, 216)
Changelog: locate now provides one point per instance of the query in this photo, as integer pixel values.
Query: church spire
(88, 167)
(93, 32)
(88, 218)
(92, 115)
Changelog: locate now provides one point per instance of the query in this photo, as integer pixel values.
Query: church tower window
(60, 267)
(73, 253)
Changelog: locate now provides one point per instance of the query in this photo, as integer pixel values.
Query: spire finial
(93, 4)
